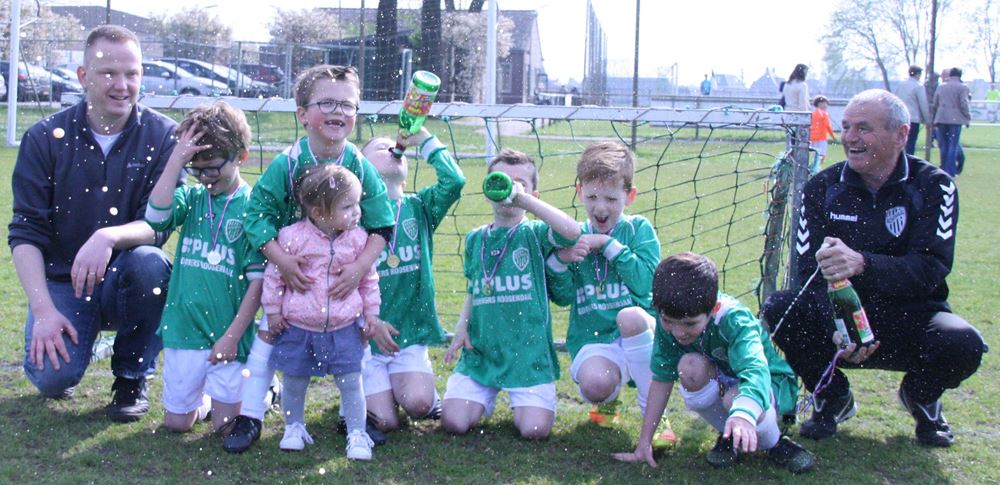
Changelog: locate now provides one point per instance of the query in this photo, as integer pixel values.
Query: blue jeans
(948, 141)
(124, 301)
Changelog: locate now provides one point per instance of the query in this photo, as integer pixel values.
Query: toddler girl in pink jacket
(322, 336)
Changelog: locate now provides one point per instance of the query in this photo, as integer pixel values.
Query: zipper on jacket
(329, 265)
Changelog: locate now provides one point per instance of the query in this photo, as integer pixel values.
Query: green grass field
(722, 215)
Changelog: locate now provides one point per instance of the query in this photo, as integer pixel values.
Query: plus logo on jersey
(895, 220)
(945, 220)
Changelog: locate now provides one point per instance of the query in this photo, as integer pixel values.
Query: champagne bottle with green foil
(424, 86)
(848, 314)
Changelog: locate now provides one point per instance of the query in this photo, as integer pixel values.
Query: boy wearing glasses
(327, 97)
(216, 284)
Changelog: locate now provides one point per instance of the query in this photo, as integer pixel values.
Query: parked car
(159, 77)
(32, 85)
(63, 81)
(238, 83)
(265, 73)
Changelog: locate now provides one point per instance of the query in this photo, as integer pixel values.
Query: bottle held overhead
(424, 86)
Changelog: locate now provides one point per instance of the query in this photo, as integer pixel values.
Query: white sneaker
(359, 445)
(295, 438)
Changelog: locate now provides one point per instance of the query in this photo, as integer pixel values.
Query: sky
(738, 37)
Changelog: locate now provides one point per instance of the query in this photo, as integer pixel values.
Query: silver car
(159, 77)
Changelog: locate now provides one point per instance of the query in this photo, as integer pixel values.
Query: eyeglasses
(210, 172)
(328, 106)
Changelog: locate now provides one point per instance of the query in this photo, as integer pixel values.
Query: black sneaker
(722, 454)
(435, 412)
(932, 428)
(129, 402)
(827, 413)
(273, 396)
(791, 455)
(245, 430)
(65, 395)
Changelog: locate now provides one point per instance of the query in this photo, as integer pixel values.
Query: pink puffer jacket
(315, 310)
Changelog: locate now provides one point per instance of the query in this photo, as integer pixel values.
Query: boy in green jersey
(505, 330)
(730, 372)
(327, 99)
(405, 377)
(607, 279)
(216, 283)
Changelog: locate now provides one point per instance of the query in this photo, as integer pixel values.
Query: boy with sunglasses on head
(327, 97)
(215, 286)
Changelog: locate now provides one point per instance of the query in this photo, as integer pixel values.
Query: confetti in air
(58, 133)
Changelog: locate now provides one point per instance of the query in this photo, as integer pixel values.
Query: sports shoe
(435, 412)
(791, 455)
(664, 436)
(359, 446)
(932, 428)
(376, 435)
(295, 437)
(605, 414)
(722, 454)
(129, 402)
(244, 431)
(827, 413)
(65, 395)
(273, 396)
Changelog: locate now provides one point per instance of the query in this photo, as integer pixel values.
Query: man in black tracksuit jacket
(888, 222)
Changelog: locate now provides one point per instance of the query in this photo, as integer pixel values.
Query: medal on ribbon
(488, 277)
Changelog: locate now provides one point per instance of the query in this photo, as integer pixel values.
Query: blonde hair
(606, 161)
(323, 186)
(224, 127)
(305, 84)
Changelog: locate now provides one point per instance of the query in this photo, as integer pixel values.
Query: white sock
(707, 403)
(638, 351)
(205, 408)
(353, 407)
(259, 381)
(768, 432)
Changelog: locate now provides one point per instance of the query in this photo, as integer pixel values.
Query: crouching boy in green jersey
(730, 372)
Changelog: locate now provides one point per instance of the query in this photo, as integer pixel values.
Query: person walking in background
(795, 90)
(913, 94)
(951, 111)
(706, 86)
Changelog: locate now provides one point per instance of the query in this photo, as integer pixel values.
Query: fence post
(800, 175)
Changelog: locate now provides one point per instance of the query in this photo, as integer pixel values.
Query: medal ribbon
(503, 250)
(598, 272)
(222, 216)
(395, 227)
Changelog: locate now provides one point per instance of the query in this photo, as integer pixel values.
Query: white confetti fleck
(113, 211)
(157, 290)
(104, 189)
(58, 133)
(99, 54)
(245, 372)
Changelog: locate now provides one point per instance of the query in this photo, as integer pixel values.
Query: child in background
(607, 278)
(405, 378)
(730, 372)
(504, 329)
(322, 335)
(821, 129)
(327, 98)
(215, 287)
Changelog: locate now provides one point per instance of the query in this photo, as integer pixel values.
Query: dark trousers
(126, 301)
(936, 350)
(911, 139)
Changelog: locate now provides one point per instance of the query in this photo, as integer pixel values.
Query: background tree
(986, 22)
(301, 33)
(429, 54)
(46, 39)
(862, 28)
(385, 68)
(465, 35)
(193, 33)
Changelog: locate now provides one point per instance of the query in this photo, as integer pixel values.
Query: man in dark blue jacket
(888, 222)
(83, 253)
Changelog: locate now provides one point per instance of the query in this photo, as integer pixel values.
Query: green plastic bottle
(424, 86)
(848, 314)
(498, 187)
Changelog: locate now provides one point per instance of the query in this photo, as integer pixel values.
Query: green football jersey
(404, 268)
(604, 283)
(273, 205)
(213, 266)
(510, 325)
(736, 342)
